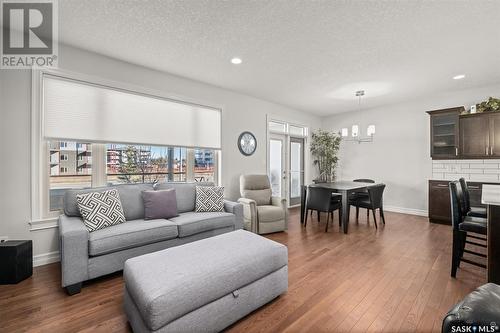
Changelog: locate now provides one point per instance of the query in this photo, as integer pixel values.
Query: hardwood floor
(396, 278)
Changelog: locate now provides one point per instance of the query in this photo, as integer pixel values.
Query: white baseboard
(45, 258)
(411, 211)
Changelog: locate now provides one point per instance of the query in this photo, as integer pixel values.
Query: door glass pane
(295, 169)
(275, 166)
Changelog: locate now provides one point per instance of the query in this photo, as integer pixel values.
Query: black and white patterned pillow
(100, 209)
(209, 198)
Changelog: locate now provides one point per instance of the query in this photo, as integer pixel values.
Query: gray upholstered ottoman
(206, 285)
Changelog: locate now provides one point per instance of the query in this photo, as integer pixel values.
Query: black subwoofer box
(16, 261)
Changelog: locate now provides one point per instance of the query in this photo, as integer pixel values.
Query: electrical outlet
(4, 238)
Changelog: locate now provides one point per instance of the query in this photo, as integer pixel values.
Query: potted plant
(491, 105)
(324, 148)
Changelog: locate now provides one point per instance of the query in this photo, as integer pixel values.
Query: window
(66, 173)
(297, 131)
(204, 165)
(80, 128)
(144, 164)
(277, 127)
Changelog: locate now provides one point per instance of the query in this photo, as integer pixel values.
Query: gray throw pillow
(161, 204)
(209, 198)
(100, 209)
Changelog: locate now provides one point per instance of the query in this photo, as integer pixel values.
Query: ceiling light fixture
(459, 77)
(236, 61)
(355, 137)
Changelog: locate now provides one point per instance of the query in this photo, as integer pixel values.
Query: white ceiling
(309, 55)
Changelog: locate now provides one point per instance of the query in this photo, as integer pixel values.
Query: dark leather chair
(462, 226)
(480, 308)
(470, 211)
(373, 202)
(362, 193)
(323, 199)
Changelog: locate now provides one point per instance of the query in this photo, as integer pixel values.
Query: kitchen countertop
(491, 195)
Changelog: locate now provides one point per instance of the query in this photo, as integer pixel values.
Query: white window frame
(40, 216)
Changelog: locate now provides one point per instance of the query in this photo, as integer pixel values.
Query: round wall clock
(247, 143)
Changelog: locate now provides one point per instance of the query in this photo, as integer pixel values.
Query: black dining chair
(323, 199)
(362, 193)
(470, 211)
(462, 226)
(373, 202)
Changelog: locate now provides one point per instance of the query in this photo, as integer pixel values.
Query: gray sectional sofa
(86, 255)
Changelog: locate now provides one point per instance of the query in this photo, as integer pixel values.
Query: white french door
(277, 164)
(286, 166)
(296, 170)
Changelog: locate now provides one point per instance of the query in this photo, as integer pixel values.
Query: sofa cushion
(130, 234)
(209, 199)
(161, 204)
(269, 213)
(100, 209)
(191, 223)
(185, 192)
(130, 196)
(168, 284)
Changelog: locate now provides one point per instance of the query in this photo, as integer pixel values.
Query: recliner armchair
(262, 212)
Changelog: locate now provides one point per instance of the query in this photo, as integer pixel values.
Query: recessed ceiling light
(459, 77)
(236, 61)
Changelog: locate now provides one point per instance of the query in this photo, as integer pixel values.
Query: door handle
(491, 150)
(456, 151)
(487, 148)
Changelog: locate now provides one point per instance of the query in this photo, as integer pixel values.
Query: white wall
(399, 155)
(240, 113)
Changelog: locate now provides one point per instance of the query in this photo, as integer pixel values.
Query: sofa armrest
(236, 209)
(281, 202)
(74, 251)
(249, 214)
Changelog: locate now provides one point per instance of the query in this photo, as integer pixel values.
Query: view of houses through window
(71, 166)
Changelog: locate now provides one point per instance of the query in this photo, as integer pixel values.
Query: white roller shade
(84, 112)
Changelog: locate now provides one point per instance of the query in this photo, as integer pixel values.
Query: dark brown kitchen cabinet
(444, 132)
(474, 136)
(439, 202)
(439, 199)
(480, 135)
(494, 134)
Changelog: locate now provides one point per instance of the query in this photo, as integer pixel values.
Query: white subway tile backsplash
(455, 176)
(484, 166)
(437, 175)
(474, 170)
(483, 177)
(468, 161)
